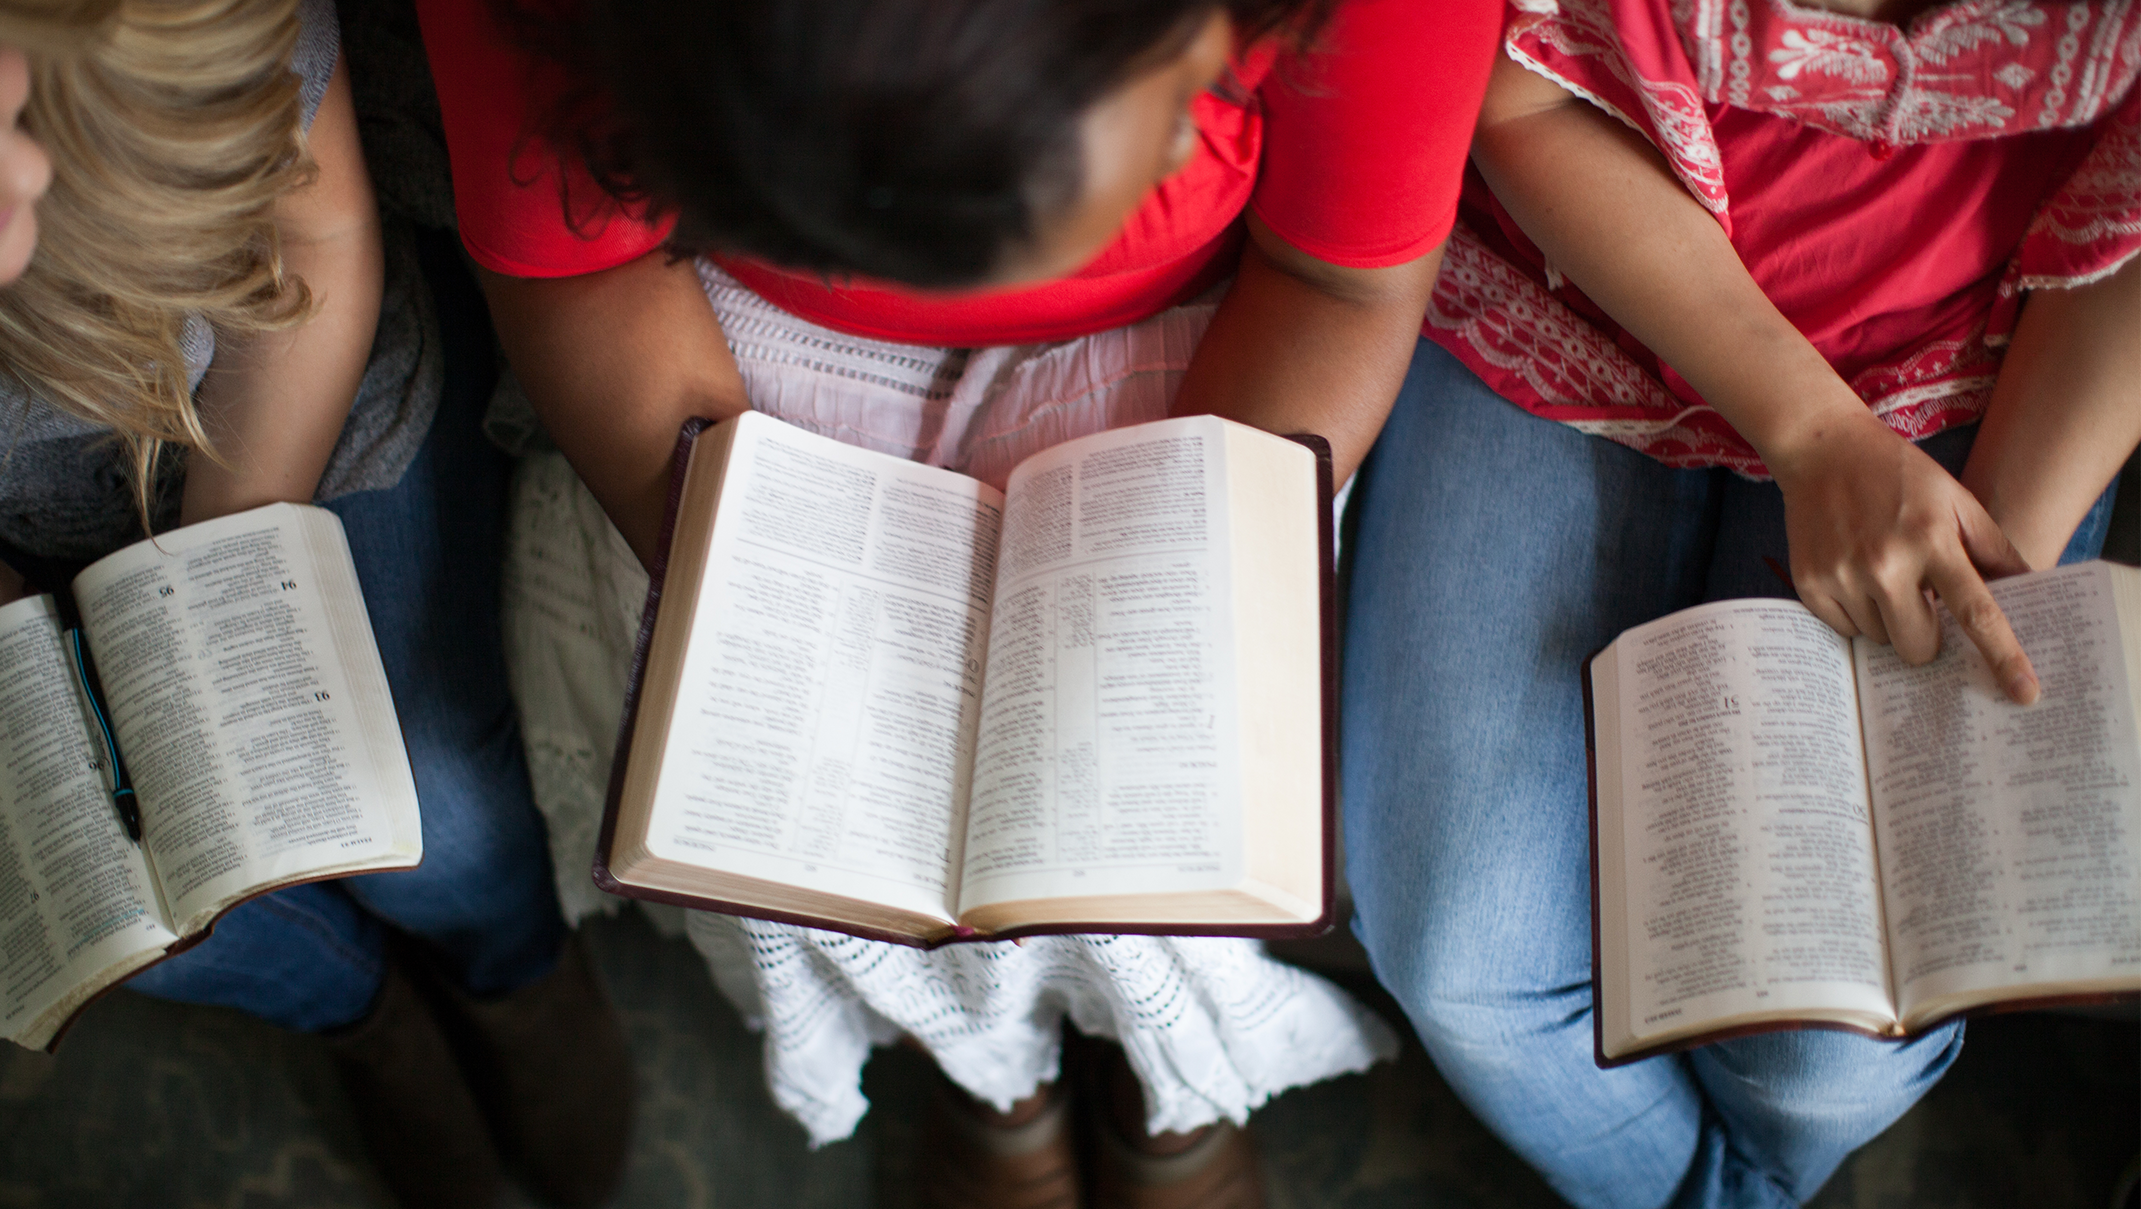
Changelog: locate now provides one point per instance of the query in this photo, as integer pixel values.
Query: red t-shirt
(1352, 153)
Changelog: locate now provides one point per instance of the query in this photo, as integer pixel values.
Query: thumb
(1983, 540)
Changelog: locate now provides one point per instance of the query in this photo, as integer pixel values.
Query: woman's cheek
(18, 239)
(25, 173)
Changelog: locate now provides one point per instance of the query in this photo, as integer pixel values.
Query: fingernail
(2022, 687)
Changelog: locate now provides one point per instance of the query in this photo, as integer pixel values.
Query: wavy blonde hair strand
(173, 126)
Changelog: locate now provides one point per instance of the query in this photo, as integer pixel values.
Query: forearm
(615, 362)
(274, 403)
(1286, 353)
(1871, 520)
(1608, 213)
(2064, 415)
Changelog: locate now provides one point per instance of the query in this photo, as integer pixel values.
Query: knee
(472, 784)
(1829, 1082)
(1483, 992)
(496, 847)
(305, 958)
(464, 748)
(1475, 911)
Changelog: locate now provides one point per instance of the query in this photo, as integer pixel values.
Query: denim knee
(1485, 985)
(1820, 1079)
(306, 958)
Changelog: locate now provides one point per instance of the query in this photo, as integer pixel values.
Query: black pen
(122, 793)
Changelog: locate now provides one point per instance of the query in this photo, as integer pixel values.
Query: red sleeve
(505, 180)
(1365, 137)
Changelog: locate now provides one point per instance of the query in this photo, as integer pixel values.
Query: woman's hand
(1874, 524)
(12, 588)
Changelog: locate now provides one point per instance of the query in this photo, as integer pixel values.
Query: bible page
(2010, 836)
(1746, 850)
(251, 707)
(1106, 761)
(823, 721)
(78, 908)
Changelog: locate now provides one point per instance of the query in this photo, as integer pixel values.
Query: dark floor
(150, 1104)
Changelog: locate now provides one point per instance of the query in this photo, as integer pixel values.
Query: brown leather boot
(413, 1108)
(550, 1066)
(972, 1158)
(1212, 1168)
(1218, 1170)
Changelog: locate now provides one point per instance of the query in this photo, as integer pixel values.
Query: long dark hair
(910, 140)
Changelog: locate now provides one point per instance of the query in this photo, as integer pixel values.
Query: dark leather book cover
(1328, 610)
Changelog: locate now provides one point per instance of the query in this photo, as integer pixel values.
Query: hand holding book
(887, 698)
(226, 678)
(1873, 522)
(1791, 828)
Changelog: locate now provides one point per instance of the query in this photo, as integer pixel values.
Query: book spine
(679, 462)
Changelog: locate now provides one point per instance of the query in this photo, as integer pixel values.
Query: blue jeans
(1495, 551)
(428, 553)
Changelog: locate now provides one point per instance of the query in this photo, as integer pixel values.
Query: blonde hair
(172, 127)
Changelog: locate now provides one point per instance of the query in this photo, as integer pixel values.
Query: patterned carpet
(150, 1104)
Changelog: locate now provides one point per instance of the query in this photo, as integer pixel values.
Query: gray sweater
(64, 489)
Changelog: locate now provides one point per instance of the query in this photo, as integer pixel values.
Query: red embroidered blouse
(1892, 190)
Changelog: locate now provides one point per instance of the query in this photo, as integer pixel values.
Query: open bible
(1794, 829)
(888, 699)
(241, 739)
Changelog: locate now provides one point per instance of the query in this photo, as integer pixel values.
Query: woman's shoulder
(1367, 128)
(1963, 70)
(511, 188)
(1370, 54)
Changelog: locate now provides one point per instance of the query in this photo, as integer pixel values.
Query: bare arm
(274, 404)
(2065, 413)
(1302, 345)
(614, 363)
(1873, 522)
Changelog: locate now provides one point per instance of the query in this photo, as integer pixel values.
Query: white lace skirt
(1213, 1027)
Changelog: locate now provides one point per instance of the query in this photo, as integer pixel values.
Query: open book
(888, 699)
(1790, 828)
(243, 704)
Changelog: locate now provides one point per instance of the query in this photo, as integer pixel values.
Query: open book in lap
(888, 699)
(241, 701)
(1795, 829)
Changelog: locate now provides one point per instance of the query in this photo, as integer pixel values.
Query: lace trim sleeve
(2092, 226)
(1576, 45)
